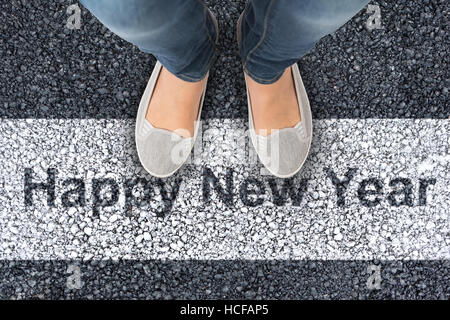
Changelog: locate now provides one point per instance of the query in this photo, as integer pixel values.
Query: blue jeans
(181, 34)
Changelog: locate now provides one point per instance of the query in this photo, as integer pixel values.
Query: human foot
(282, 151)
(174, 105)
(274, 106)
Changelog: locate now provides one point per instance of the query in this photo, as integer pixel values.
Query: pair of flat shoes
(283, 152)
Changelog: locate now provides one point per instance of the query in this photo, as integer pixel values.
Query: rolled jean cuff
(263, 79)
(191, 76)
(199, 66)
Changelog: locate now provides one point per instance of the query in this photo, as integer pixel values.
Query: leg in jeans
(277, 33)
(180, 33)
(274, 34)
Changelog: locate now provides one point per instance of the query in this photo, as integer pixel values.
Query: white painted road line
(394, 204)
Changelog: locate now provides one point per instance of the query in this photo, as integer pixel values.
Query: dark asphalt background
(49, 71)
(224, 279)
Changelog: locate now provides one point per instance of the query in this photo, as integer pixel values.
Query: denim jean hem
(206, 69)
(261, 80)
(202, 74)
(184, 76)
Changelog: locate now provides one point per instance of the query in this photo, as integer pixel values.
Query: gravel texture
(222, 227)
(108, 215)
(223, 279)
(190, 230)
(399, 71)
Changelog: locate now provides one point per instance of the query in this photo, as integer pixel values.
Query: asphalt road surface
(367, 217)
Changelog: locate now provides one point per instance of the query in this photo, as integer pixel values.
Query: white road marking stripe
(401, 155)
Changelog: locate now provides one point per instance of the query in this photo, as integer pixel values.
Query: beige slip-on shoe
(284, 151)
(162, 152)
